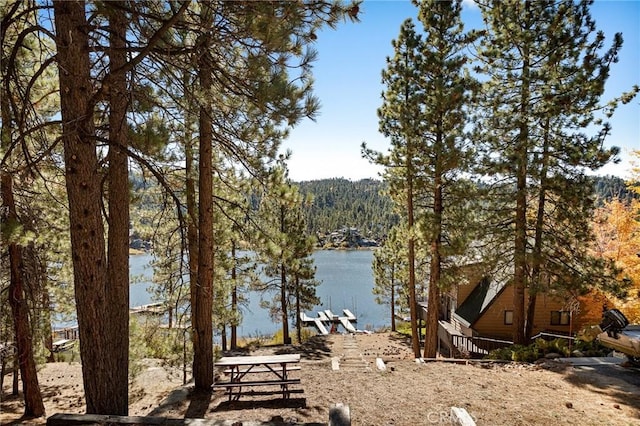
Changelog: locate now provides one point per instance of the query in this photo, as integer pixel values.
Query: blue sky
(347, 82)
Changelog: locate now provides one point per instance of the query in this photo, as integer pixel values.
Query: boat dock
(327, 322)
(150, 308)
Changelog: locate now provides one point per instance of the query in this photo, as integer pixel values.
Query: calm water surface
(346, 283)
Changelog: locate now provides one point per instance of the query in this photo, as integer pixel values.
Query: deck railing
(477, 346)
(461, 346)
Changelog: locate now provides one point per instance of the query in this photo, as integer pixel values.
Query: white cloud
(471, 4)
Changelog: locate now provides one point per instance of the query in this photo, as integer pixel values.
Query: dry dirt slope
(406, 394)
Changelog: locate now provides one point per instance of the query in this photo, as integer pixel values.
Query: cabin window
(508, 317)
(560, 317)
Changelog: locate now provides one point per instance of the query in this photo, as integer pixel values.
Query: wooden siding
(473, 276)
(491, 323)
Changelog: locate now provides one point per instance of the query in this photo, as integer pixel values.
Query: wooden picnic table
(242, 371)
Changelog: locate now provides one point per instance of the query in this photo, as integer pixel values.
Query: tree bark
(433, 306)
(46, 324)
(203, 327)
(283, 288)
(415, 339)
(298, 312)
(520, 246)
(15, 387)
(234, 299)
(83, 182)
(118, 240)
(284, 305)
(393, 297)
(33, 405)
(535, 285)
(192, 207)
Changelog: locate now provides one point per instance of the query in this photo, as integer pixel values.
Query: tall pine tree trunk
(118, 241)
(298, 312)
(192, 207)
(393, 296)
(535, 286)
(415, 339)
(433, 306)
(15, 386)
(83, 182)
(284, 305)
(202, 310)
(46, 324)
(234, 299)
(33, 405)
(9, 221)
(520, 246)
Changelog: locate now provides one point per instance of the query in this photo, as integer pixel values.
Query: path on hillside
(347, 353)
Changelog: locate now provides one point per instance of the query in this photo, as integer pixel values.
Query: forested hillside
(612, 188)
(339, 203)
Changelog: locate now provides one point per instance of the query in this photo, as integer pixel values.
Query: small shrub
(504, 354)
(149, 340)
(404, 328)
(560, 346)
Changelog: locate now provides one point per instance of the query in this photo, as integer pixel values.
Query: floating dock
(157, 308)
(327, 322)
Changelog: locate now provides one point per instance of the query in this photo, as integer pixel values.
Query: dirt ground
(407, 393)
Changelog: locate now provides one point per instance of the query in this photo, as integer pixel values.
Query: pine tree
(303, 271)
(400, 117)
(117, 291)
(254, 50)
(545, 76)
(24, 102)
(389, 263)
(285, 250)
(201, 311)
(79, 99)
(423, 115)
(84, 191)
(445, 155)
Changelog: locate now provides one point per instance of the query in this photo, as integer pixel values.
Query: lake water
(346, 283)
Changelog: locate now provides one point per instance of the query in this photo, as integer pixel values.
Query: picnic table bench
(241, 370)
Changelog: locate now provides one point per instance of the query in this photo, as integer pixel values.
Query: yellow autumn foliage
(616, 227)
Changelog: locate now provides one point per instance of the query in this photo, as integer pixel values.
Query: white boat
(618, 335)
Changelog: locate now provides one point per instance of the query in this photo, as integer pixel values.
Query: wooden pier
(327, 322)
(151, 308)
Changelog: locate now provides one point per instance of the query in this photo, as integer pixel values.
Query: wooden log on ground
(61, 419)
(447, 360)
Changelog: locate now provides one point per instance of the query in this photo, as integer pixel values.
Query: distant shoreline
(137, 252)
(346, 248)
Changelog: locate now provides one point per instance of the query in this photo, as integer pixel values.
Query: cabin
(477, 316)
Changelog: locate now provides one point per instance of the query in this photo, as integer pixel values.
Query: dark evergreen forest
(340, 203)
(610, 188)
